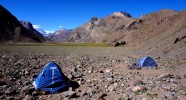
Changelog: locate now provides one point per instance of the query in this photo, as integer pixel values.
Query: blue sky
(51, 15)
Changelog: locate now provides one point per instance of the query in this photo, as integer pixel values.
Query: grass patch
(141, 91)
(57, 44)
(183, 89)
(152, 95)
(120, 98)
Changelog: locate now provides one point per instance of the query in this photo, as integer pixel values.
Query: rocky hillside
(11, 29)
(158, 33)
(100, 29)
(149, 32)
(161, 33)
(29, 26)
(120, 27)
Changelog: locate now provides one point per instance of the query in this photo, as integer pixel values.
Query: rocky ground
(101, 72)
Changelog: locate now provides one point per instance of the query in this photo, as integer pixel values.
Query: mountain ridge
(28, 25)
(115, 27)
(160, 33)
(11, 29)
(42, 31)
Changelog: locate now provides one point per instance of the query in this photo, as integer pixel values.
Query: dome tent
(51, 79)
(146, 62)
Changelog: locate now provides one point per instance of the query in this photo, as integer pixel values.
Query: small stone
(168, 95)
(176, 81)
(10, 98)
(74, 70)
(28, 97)
(4, 56)
(79, 82)
(165, 75)
(101, 97)
(27, 90)
(24, 90)
(88, 81)
(17, 64)
(115, 84)
(89, 91)
(138, 83)
(122, 84)
(26, 72)
(167, 87)
(90, 71)
(26, 82)
(110, 79)
(70, 76)
(12, 79)
(111, 87)
(70, 93)
(143, 99)
(183, 92)
(83, 93)
(137, 88)
(107, 70)
(35, 93)
(129, 97)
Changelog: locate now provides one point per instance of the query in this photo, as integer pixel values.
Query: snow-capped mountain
(42, 32)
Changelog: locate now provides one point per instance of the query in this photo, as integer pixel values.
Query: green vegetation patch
(120, 98)
(58, 44)
(183, 88)
(152, 95)
(144, 90)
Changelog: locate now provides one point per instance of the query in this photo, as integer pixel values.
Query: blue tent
(146, 62)
(51, 79)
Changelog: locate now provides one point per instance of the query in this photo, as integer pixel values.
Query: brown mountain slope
(160, 34)
(97, 30)
(12, 30)
(150, 26)
(121, 26)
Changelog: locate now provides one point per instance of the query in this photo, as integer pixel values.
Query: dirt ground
(102, 74)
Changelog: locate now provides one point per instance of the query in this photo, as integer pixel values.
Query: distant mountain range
(158, 33)
(163, 29)
(60, 35)
(120, 28)
(95, 30)
(11, 30)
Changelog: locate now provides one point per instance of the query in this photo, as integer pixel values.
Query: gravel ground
(101, 72)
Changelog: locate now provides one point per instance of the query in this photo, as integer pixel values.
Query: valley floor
(101, 72)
